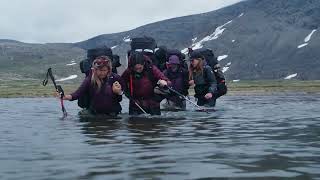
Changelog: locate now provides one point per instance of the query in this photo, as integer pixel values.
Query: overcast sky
(44, 21)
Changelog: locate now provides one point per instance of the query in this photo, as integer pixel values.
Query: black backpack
(99, 51)
(212, 62)
(147, 46)
(209, 56)
(93, 53)
(143, 43)
(161, 55)
(182, 57)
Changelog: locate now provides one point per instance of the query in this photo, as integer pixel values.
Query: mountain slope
(256, 39)
(22, 60)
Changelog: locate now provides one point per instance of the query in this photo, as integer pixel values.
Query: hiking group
(153, 74)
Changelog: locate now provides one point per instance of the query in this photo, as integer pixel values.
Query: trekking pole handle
(60, 91)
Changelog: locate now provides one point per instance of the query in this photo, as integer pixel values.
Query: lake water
(248, 137)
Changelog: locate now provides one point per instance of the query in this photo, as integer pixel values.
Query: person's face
(195, 62)
(174, 67)
(138, 68)
(102, 72)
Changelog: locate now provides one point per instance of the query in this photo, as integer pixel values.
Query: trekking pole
(187, 99)
(131, 94)
(136, 103)
(58, 89)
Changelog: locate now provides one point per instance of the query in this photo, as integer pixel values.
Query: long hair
(98, 64)
(197, 69)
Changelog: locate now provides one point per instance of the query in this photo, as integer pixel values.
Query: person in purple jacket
(104, 88)
(141, 79)
(179, 78)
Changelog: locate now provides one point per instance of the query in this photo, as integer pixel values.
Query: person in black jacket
(202, 77)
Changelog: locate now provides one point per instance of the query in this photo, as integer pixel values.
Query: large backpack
(161, 55)
(212, 62)
(182, 57)
(209, 56)
(143, 43)
(93, 53)
(147, 46)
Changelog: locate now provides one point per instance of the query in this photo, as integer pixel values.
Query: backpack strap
(150, 75)
(205, 74)
(131, 85)
(211, 81)
(219, 74)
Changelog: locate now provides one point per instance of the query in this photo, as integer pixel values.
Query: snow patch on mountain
(308, 38)
(215, 35)
(113, 47)
(220, 58)
(71, 64)
(291, 76)
(127, 39)
(67, 78)
(184, 51)
(302, 45)
(225, 69)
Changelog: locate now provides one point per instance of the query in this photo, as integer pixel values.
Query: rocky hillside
(254, 39)
(30, 61)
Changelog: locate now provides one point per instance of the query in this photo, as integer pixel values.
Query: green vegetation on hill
(34, 88)
(270, 86)
(30, 88)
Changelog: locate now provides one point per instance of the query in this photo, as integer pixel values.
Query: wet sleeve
(211, 79)
(84, 87)
(159, 75)
(120, 80)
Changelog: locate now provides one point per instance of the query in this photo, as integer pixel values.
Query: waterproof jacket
(141, 89)
(102, 101)
(205, 82)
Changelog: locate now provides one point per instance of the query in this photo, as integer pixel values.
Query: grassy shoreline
(34, 88)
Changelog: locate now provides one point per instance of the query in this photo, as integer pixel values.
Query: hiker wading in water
(178, 77)
(141, 80)
(203, 79)
(104, 88)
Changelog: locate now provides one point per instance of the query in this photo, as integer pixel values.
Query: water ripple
(248, 137)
